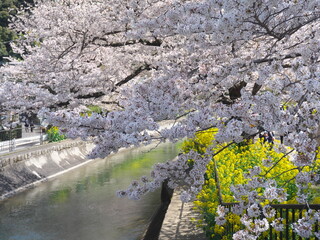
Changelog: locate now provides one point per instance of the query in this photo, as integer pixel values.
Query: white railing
(17, 139)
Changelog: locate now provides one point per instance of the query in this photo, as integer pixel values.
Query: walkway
(178, 225)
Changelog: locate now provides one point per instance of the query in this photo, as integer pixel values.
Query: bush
(94, 109)
(53, 135)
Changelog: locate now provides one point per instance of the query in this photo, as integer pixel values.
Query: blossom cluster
(177, 173)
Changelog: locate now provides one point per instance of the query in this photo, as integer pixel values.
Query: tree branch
(278, 162)
(235, 91)
(133, 75)
(91, 95)
(289, 56)
(156, 42)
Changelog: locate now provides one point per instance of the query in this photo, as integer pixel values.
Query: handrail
(12, 139)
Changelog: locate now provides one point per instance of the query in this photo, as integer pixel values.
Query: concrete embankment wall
(24, 169)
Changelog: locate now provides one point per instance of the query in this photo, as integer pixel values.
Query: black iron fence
(290, 213)
(6, 135)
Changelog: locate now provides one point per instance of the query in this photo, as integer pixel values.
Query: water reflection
(82, 205)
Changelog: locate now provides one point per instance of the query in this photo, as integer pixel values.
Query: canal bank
(26, 168)
(31, 165)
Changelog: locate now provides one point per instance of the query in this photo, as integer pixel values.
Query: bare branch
(133, 75)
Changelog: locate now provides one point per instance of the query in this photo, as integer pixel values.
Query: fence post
(10, 141)
(41, 136)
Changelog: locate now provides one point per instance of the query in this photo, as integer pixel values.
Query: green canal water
(82, 204)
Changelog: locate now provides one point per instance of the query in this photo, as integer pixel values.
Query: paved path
(178, 225)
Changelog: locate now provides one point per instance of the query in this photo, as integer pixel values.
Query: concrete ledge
(24, 169)
(14, 157)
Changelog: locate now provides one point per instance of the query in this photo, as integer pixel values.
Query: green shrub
(94, 109)
(53, 135)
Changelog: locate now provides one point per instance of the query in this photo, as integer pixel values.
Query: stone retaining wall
(24, 169)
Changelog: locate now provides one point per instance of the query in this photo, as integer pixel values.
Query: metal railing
(18, 138)
(290, 213)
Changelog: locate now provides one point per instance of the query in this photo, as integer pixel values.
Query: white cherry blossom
(239, 66)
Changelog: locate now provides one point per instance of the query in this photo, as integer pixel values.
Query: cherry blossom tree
(239, 66)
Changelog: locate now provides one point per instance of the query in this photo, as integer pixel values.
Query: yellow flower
(231, 164)
(218, 229)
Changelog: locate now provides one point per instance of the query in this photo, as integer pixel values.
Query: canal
(82, 204)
